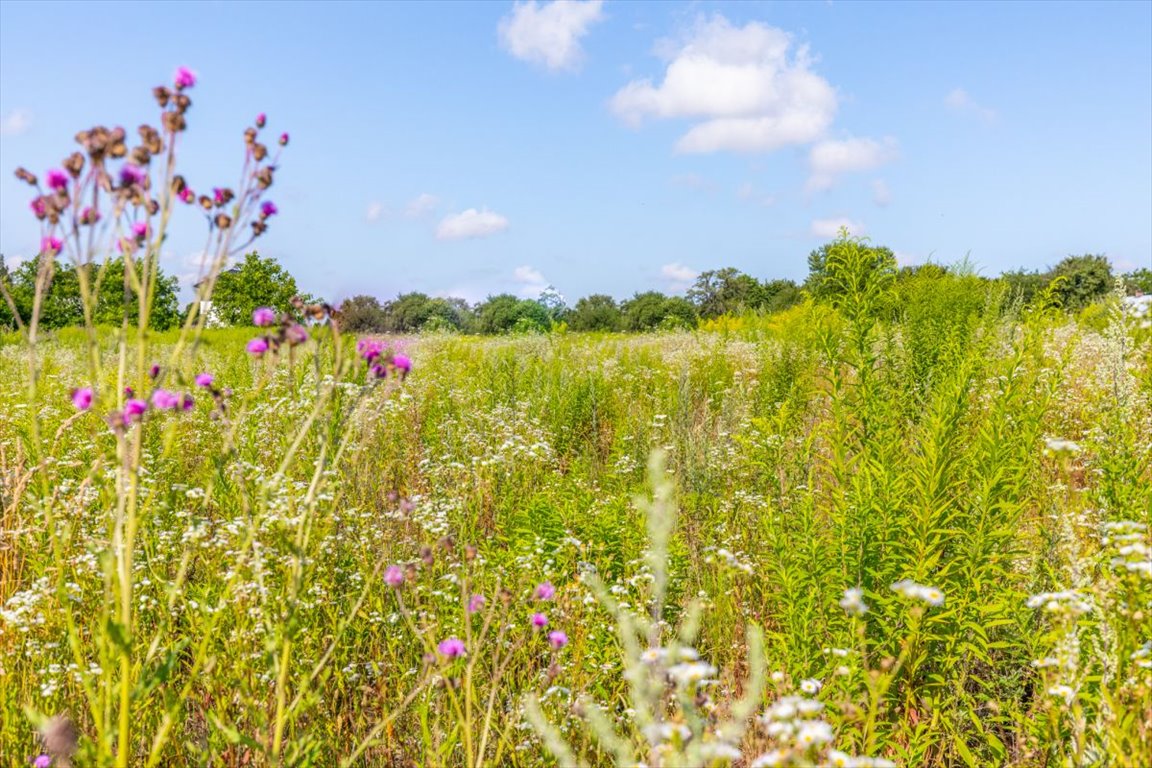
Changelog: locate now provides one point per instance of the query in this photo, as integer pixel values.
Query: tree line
(1076, 281)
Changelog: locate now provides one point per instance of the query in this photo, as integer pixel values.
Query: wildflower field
(904, 524)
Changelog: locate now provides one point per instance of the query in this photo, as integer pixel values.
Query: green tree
(1023, 285)
(7, 320)
(652, 309)
(363, 314)
(870, 264)
(505, 312)
(1139, 280)
(255, 282)
(597, 312)
(1083, 280)
(726, 291)
(553, 302)
(781, 294)
(117, 299)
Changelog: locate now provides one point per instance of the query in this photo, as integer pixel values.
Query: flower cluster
(381, 361)
(801, 737)
(913, 591)
(287, 332)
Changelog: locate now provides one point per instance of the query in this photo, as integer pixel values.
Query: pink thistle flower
(394, 576)
(539, 620)
(131, 174)
(82, 398)
(154, 371)
(451, 647)
(263, 316)
(42, 761)
(51, 245)
(475, 603)
(204, 380)
(218, 195)
(183, 78)
(258, 346)
(545, 591)
(165, 400)
(369, 349)
(188, 403)
(402, 362)
(39, 207)
(558, 639)
(296, 334)
(187, 195)
(261, 119)
(379, 371)
(89, 215)
(57, 180)
(140, 230)
(268, 208)
(283, 139)
(133, 410)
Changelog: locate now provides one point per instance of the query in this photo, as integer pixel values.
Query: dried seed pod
(74, 164)
(162, 95)
(223, 220)
(259, 151)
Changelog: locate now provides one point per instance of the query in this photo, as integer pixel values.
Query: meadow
(812, 538)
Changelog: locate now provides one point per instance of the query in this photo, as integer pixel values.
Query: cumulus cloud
(960, 102)
(829, 159)
(678, 277)
(15, 122)
(530, 280)
(471, 223)
(420, 205)
(881, 194)
(830, 228)
(375, 212)
(549, 34)
(750, 89)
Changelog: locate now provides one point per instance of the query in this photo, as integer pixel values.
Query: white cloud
(831, 158)
(960, 102)
(678, 276)
(471, 223)
(750, 94)
(15, 122)
(881, 194)
(549, 33)
(530, 280)
(830, 228)
(421, 204)
(375, 212)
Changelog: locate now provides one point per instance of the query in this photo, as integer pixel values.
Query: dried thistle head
(162, 94)
(74, 164)
(223, 221)
(26, 176)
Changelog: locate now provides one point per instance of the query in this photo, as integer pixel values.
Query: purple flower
(82, 398)
(369, 349)
(268, 208)
(51, 245)
(263, 316)
(131, 174)
(539, 620)
(402, 362)
(165, 400)
(42, 761)
(545, 591)
(379, 371)
(296, 334)
(257, 347)
(39, 207)
(394, 576)
(133, 410)
(57, 180)
(204, 380)
(283, 139)
(451, 647)
(188, 403)
(261, 119)
(558, 639)
(140, 230)
(187, 195)
(154, 371)
(184, 78)
(218, 195)
(475, 603)
(89, 215)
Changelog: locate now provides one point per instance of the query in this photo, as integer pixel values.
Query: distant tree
(504, 312)
(1024, 284)
(781, 294)
(256, 282)
(7, 319)
(363, 314)
(597, 312)
(1139, 280)
(409, 312)
(117, 299)
(1086, 279)
(553, 302)
(652, 309)
(876, 263)
(726, 291)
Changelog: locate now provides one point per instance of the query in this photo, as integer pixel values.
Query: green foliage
(504, 313)
(845, 265)
(363, 314)
(651, 310)
(253, 283)
(1082, 280)
(597, 312)
(1139, 280)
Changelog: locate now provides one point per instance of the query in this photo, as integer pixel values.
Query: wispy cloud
(15, 122)
(960, 102)
(530, 280)
(421, 205)
(376, 211)
(471, 223)
(678, 277)
(549, 34)
(830, 159)
(881, 194)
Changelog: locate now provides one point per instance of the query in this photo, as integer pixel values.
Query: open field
(235, 602)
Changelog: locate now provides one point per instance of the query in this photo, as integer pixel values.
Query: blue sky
(473, 148)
